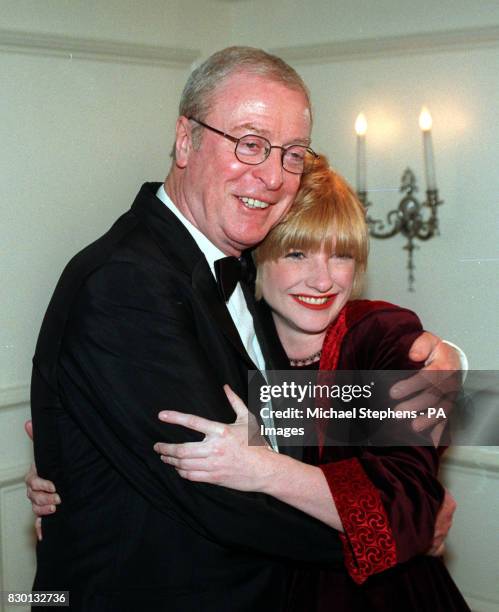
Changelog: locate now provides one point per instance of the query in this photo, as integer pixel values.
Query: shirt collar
(211, 252)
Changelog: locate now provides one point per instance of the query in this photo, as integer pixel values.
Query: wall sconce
(411, 219)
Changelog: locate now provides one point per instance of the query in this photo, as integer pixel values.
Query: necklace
(296, 363)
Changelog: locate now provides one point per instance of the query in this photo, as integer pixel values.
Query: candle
(425, 123)
(361, 129)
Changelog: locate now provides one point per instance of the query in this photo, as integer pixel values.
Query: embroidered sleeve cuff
(368, 543)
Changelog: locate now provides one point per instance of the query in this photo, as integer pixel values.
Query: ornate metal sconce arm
(408, 219)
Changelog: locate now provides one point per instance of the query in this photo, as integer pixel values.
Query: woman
(384, 500)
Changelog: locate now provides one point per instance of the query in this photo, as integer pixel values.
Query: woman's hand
(224, 457)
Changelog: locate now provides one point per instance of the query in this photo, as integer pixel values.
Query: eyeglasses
(253, 150)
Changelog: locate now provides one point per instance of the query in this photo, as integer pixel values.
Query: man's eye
(296, 155)
(250, 146)
(295, 255)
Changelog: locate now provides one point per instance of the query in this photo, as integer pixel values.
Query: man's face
(236, 204)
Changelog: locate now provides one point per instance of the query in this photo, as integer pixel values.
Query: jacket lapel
(205, 287)
(275, 356)
(178, 245)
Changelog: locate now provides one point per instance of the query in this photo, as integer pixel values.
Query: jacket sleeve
(387, 497)
(132, 347)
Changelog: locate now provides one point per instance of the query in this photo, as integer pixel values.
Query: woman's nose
(321, 278)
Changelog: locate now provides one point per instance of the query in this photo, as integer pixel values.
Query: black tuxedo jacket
(136, 325)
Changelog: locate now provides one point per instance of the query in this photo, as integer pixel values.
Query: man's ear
(183, 141)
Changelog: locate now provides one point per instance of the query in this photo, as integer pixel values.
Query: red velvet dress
(387, 497)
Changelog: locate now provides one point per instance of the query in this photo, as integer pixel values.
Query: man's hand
(42, 495)
(442, 525)
(436, 384)
(39, 491)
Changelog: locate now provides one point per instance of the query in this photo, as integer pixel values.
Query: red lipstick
(326, 304)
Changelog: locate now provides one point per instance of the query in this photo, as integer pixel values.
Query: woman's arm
(304, 487)
(388, 497)
(225, 458)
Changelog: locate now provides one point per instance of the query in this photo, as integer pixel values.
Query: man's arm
(119, 364)
(437, 383)
(443, 524)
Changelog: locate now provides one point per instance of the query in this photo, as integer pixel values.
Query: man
(137, 325)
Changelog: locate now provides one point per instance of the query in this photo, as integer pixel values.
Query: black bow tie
(229, 271)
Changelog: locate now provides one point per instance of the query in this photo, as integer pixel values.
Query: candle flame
(361, 125)
(425, 120)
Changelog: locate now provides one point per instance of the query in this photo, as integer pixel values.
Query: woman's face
(306, 290)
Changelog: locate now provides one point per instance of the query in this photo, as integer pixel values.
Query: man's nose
(271, 171)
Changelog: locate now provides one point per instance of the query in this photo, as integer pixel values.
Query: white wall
(456, 274)
(285, 23)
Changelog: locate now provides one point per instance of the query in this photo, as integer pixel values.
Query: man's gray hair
(203, 83)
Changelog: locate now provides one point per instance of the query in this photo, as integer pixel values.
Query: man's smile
(253, 203)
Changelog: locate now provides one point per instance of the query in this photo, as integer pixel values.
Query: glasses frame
(269, 148)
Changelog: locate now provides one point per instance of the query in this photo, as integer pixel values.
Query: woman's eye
(295, 255)
(343, 257)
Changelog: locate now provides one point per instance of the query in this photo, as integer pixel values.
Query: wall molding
(15, 535)
(410, 44)
(479, 603)
(473, 458)
(14, 396)
(57, 45)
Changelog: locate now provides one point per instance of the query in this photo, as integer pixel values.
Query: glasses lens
(252, 149)
(298, 159)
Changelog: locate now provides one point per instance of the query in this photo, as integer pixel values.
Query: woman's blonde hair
(326, 212)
